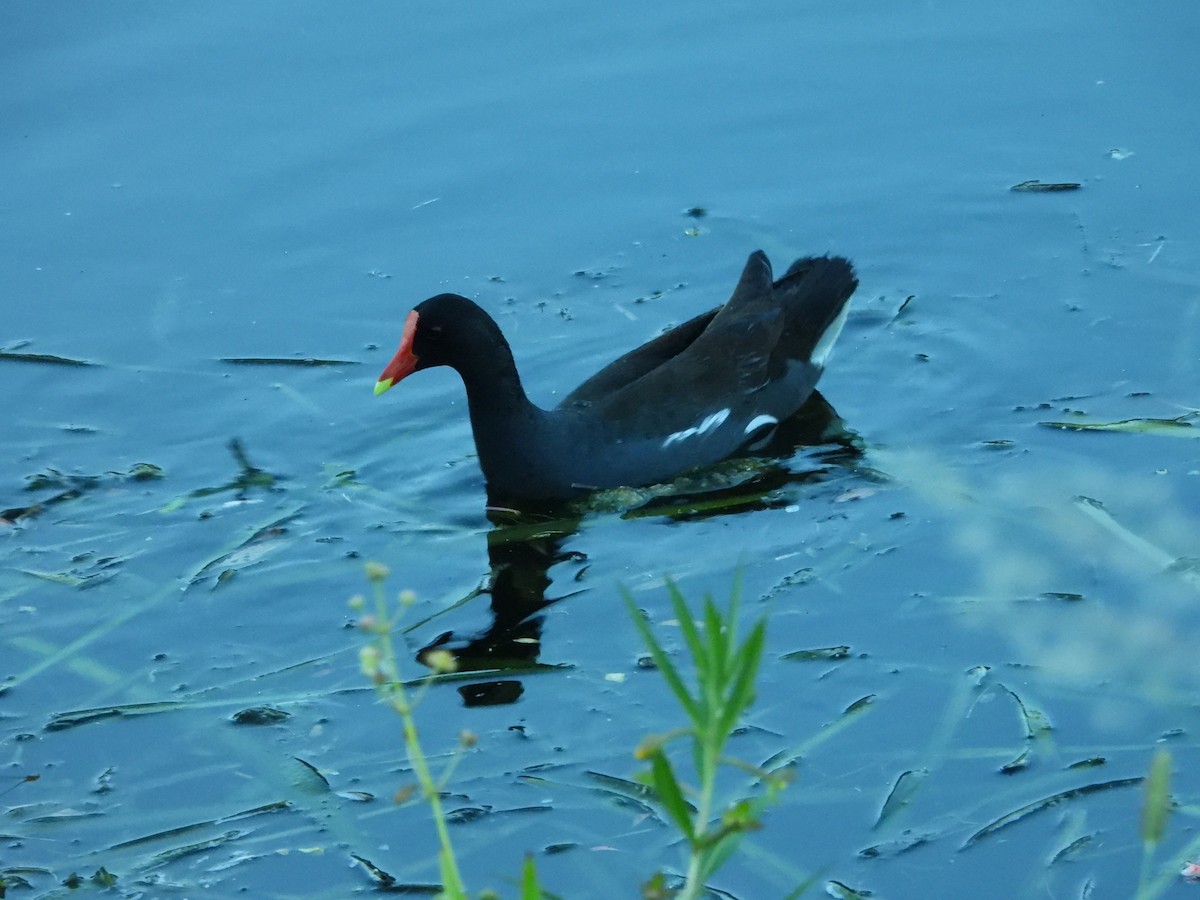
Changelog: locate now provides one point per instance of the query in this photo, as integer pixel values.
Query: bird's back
(760, 338)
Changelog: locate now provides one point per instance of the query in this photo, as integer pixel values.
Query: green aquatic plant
(725, 669)
(379, 663)
(1156, 879)
(1156, 807)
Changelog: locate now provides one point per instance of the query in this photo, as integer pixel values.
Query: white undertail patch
(708, 423)
(825, 344)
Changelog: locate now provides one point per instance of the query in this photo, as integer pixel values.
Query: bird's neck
(507, 426)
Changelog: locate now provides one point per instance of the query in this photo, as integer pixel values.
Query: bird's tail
(815, 294)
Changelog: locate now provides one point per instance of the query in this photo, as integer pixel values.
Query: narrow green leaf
(665, 666)
(741, 695)
(670, 794)
(675, 681)
(704, 763)
(530, 888)
(729, 633)
(696, 646)
(719, 853)
(452, 887)
(656, 888)
(1157, 805)
(717, 635)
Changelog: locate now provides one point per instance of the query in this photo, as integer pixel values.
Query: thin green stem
(709, 760)
(454, 886)
(392, 690)
(1143, 890)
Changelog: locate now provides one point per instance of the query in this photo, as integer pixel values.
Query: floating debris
(1047, 802)
(1181, 426)
(1045, 187)
(305, 361)
(260, 715)
(249, 477)
(253, 550)
(47, 358)
(72, 487)
(820, 653)
(903, 790)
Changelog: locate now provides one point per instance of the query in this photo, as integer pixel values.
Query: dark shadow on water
(526, 541)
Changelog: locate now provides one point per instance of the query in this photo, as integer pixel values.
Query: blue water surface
(195, 199)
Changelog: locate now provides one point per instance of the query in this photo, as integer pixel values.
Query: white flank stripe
(707, 424)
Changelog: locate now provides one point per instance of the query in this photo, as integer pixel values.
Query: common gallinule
(703, 391)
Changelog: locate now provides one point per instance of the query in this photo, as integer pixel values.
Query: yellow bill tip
(382, 385)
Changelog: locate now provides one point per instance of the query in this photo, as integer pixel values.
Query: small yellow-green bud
(368, 660)
(650, 745)
(441, 661)
(376, 571)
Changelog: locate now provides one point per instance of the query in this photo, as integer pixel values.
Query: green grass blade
(741, 694)
(665, 666)
(1157, 805)
(452, 887)
(671, 795)
(530, 889)
(717, 855)
(696, 645)
(718, 636)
